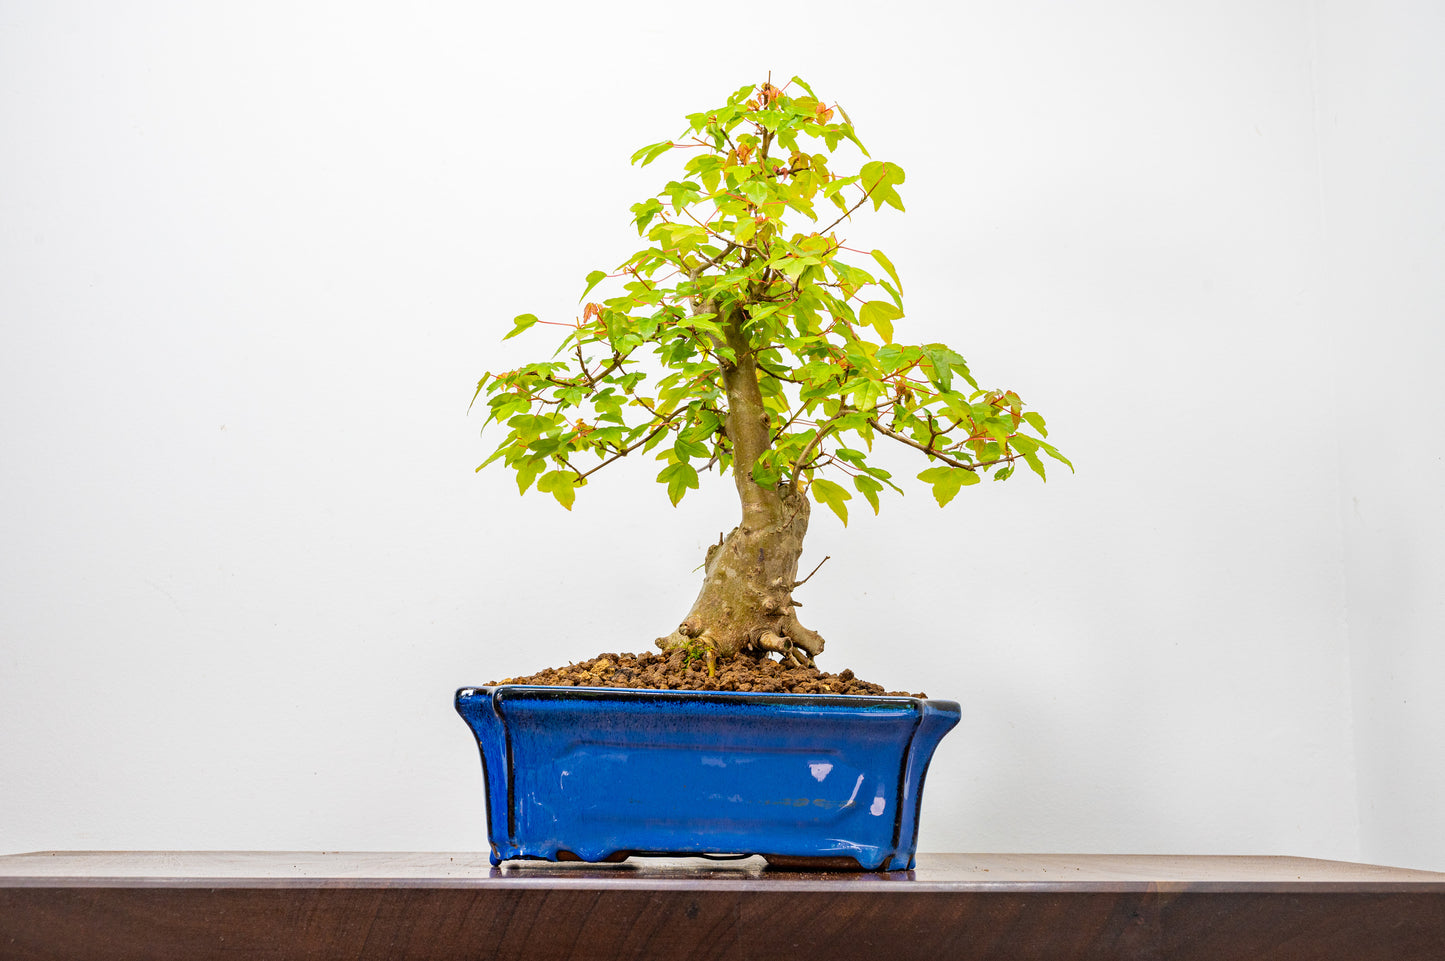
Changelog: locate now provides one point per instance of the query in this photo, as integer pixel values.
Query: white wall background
(253, 258)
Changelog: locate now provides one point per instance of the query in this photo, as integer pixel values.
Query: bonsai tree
(739, 343)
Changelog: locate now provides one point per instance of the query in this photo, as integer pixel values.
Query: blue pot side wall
(595, 772)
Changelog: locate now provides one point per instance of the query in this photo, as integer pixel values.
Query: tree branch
(630, 448)
(933, 452)
(823, 430)
(696, 272)
(905, 439)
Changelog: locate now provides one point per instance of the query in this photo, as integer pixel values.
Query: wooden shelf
(263, 905)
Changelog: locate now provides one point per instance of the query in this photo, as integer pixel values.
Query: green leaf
(947, 481)
(530, 426)
(998, 430)
(499, 452)
(523, 321)
(644, 211)
(1023, 443)
(684, 449)
(561, 484)
(879, 179)
(827, 492)
(940, 365)
(651, 152)
(888, 266)
(617, 324)
(864, 392)
(1053, 452)
(682, 193)
(893, 293)
(794, 267)
(526, 471)
(1036, 422)
(880, 315)
(848, 132)
(765, 474)
(593, 279)
(683, 237)
(678, 477)
(869, 488)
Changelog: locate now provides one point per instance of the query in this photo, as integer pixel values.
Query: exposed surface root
(782, 635)
(681, 670)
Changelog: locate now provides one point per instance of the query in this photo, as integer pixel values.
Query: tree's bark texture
(746, 601)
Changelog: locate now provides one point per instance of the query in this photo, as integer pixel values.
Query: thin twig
(849, 212)
(823, 430)
(624, 452)
(815, 570)
(582, 365)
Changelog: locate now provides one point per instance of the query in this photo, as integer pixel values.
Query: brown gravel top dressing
(675, 671)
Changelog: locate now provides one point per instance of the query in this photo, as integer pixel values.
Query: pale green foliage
(642, 369)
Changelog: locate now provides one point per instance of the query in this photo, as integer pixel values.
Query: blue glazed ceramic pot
(601, 773)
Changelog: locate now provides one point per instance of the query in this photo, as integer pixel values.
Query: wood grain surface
(335, 905)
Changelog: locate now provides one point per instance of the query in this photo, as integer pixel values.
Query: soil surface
(675, 671)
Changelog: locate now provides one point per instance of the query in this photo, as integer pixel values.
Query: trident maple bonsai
(734, 342)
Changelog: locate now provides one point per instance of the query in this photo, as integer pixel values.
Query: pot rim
(561, 692)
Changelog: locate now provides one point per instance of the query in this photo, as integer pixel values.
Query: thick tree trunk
(746, 601)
